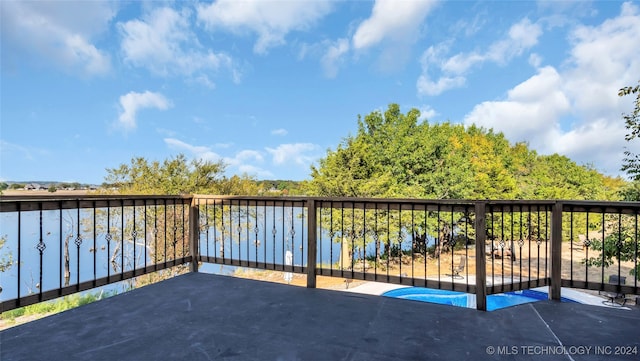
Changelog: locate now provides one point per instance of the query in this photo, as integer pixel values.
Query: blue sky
(269, 86)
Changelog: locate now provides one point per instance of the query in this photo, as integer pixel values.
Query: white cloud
(531, 110)
(200, 152)
(279, 132)
(451, 71)
(132, 102)
(57, 34)
(204, 81)
(427, 112)
(245, 155)
(270, 20)
(396, 21)
(535, 60)
(15, 151)
(296, 153)
(603, 58)
(394, 26)
(333, 57)
(254, 171)
(431, 57)
(427, 86)
(243, 162)
(163, 43)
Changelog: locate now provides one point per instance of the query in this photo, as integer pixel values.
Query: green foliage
(394, 155)
(3, 186)
(631, 192)
(16, 186)
(6, 258)
(55, 306)
(280, 187)
(632, 122)
(52, 189)
(175, 176)
(620, 244)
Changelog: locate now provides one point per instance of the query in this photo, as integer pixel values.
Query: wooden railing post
(556, 252)
(312, 227)
(194, 234)
(481, 267)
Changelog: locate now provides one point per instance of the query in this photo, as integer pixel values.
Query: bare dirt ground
(530, 263)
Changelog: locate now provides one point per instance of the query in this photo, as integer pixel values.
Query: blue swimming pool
(461, 299)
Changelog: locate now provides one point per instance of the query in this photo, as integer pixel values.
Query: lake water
(267, 238)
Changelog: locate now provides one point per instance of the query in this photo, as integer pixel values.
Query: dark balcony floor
(208, 317)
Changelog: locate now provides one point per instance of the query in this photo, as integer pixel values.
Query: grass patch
(55, 306)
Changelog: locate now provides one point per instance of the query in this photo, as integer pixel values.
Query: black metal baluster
(619, 245)
(164, 201)
(341, 239)
(400, 238)
(511, 244)
(122, 239)
(184, 231)
(41, 246)
(530, 234)
(264, 233)
(521, 242)
(216, 251)
(492, 237)
(571, 245)
(331, 235)
(61, 247)
(502, 246)
(413, 242)
(388, 238)
(134, 233)
(95, 245)
(635, 258)
(426, 242)
(145, 235)
(546, 242)
(452, 243)
(302, 227)
(353, 239)
(78, 243)
(603, 247)
(246, 208)
(155, 235)
(108, 237)
(284, 233)
(175, 231)
(538, 245)
(256, 231)
(587, 242)
(274, 231)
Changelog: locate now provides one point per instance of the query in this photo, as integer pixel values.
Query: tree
(173, 176)
(631, 192)
(177, 175)
(52, 189)
(395, 155)
(6, 258)
(632, 122)
(620, 244)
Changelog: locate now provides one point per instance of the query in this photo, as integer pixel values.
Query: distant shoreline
(24, 192)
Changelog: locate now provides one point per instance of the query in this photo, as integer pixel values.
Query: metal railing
(479, 247)
(58, 246)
